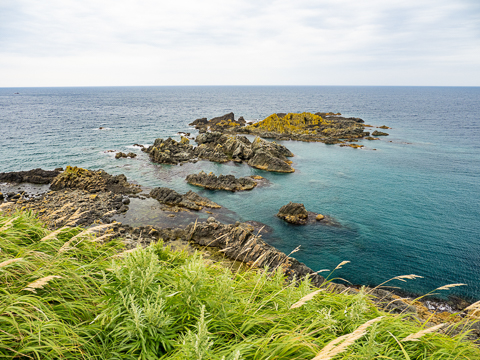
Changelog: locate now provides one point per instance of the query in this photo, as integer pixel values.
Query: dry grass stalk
(84, 233)
(258, 259)
(61, 209)
(306, 298)
(8, 224)
(417, 335)
(475, 307)
(40, 283)
(339, 266)
(5, 205)
(332, 349)
(10, 261)
(77, 215)
(449, 286)
(53, 234)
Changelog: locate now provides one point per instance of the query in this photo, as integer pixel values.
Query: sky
(232, 42)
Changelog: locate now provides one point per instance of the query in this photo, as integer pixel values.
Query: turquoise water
(410, 206)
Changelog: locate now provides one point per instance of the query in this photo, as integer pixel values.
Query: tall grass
(155, 303)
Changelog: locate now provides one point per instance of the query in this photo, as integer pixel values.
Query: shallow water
(410, 206)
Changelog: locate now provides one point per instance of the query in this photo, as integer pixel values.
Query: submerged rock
(93, 181)
(379, 133)
(35, 176)
(190, 200)
(222, 182)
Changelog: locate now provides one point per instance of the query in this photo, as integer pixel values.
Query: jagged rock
(123, 155)
(379, 133)
(202, 121)
(294, 213)
(93, 181)
(239, 242)
(273, 148)
(71, 207)
(221, 148)
(211, 153)
(190, 200)
(265, 161)
(227, 117)
(170, 151)
(222, 182)
(35, 176)
(384, 127)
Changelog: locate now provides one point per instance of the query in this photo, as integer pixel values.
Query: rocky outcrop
(190, 200)
(222, 182)
(169, 151)
(221, 148)
(239, 242)
(379, 133)
(123, 155)
(323, 127)
(226, 121)
(93, 181)
(293, 213)
(35, 176)
(72, 207)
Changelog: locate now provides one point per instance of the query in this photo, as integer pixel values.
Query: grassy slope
(154, 303)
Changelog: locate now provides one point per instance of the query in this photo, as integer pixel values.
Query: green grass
(154, 303)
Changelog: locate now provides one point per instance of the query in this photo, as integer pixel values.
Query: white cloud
(184, 42)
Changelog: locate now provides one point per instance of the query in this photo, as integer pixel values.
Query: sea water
(407, 204)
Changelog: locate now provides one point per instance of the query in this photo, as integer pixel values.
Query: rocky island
(221, 148)
(328, 128)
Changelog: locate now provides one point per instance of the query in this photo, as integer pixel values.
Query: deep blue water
(411, 206)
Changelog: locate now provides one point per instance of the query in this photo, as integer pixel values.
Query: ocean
(407, 204)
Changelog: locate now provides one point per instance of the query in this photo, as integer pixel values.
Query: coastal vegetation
(69, 294)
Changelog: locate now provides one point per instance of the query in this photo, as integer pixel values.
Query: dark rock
(294, 213)
(227, 117)
(239, 242)
(379, 133)
(265, 161)
(126, 201)
(170, 151)
(1, 196)
(93, 181)
(36, 176)
(202, 121)
(222, 182)
(190, 200)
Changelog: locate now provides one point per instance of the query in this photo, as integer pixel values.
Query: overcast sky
(248, 42)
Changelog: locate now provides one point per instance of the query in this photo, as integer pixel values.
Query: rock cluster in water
(222, 182)
(329, 128)
(190, 200)
(123, 155)
(295, 213)
(221, 148)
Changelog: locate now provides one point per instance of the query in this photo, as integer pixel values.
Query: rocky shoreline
(79, 197)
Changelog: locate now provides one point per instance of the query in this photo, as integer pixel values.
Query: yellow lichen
(297, 123)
